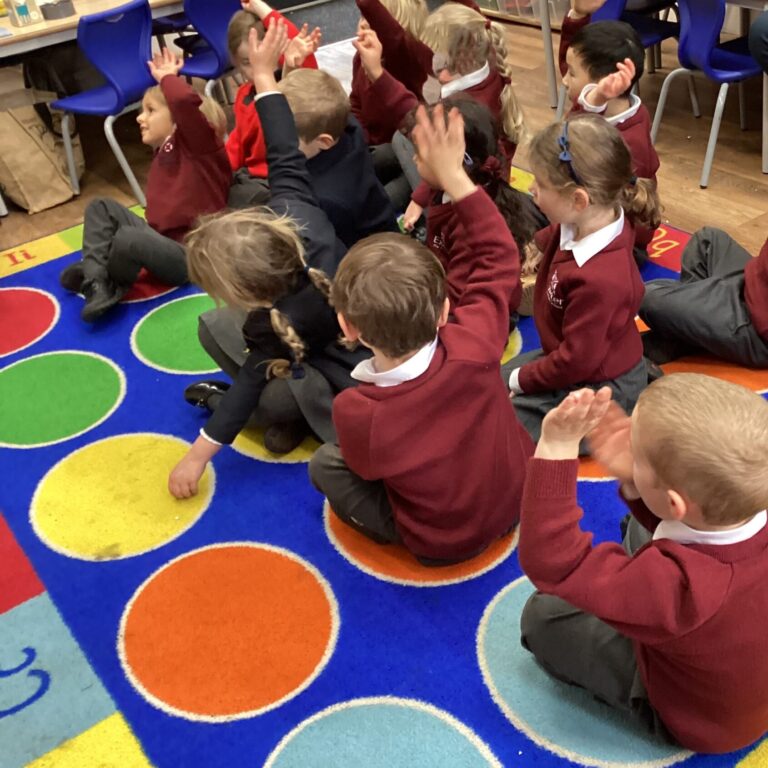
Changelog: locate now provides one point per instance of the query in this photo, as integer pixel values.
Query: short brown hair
(392, 289)
(707, 438)
(318, 102)
(240, 26)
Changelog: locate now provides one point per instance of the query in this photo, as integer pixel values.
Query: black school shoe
(206, 394)
(101, 294)
(283, 438)
(71, 278)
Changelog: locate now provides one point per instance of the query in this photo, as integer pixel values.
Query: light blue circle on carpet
(381, 732)
(561, 718)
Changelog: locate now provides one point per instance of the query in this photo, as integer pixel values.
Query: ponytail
(512, 118)
(281, 368)
(640, 202)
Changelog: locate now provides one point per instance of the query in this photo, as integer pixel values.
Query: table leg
(765, 123)
(549, 57)
(3, 209)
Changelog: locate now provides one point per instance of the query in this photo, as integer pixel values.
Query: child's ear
(444, 312)
(325, 141)
(350, 332)
(677, 505)
(581, 199)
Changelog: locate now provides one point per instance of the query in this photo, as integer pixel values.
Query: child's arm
(494, 265)
(609, 87)
(267, 15)
(604, 580)
(192, 127)
(579, 16)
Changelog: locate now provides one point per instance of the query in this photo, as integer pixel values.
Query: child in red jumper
(189, 176)
(588, 288)
(671, 627)
(245, 145)
(601, 62)
(399, 472)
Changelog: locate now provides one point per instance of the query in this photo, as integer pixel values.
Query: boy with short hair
(338, 159)
(671, 628)
(430, 452)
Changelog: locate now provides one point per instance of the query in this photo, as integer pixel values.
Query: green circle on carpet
(52, 397)
(166, 337)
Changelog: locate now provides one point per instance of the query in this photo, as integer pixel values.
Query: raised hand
(610, 444)
(581, 8)
(164, 63)
(370, 50)
(616, 84)
(257, 7)
(302, 46)
(411, 216)
(265, 54)
(564, 427)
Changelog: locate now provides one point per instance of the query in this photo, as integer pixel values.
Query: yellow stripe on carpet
(108, 744)
(756, 759)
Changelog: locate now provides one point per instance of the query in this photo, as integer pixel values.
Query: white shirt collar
(684, 534)
(412, 368)
(634, 105)
(465, 81)
(584, 249)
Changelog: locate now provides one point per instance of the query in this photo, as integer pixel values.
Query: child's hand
(369, 48)
(257, 7)
(613, 85)
(582, 8)
(265, 54)
(185, 476)
(412, 215)
(440, 149)
(564, 427)
(302, 46)
(164, 63)
(611, 445)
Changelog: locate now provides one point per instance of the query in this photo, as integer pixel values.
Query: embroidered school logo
(552, 297)
(168, 146)
(438, 243)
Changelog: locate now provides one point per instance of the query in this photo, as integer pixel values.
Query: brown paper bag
(33, 164)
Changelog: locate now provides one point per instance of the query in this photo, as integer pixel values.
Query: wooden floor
(736, 200)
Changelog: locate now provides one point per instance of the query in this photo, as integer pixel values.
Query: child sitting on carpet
(588, 288)
(601, 62)
(670, 628)
(189, 176)
(429, 452)
(719, 305)
(268, 264)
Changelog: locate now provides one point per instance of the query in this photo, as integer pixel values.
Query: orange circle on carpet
(26, 315)
(228, 631)
(394, 563)
(751, 378)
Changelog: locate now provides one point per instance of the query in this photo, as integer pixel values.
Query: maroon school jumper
(585, 315)
(447, 445)
(756, 291)
(697, 614)
(190, 173)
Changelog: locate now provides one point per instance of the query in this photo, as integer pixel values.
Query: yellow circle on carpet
(514, 345)
(250, 442)
(110, 500)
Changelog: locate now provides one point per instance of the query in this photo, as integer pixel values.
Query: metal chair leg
(650, 60)
(663, 100)
(694, 96)
(713, 134)
(549, 56)
(67, 136)
(562, 96)
(209, 86)
(3, 209)
(742, 107)
(138, 193)
(657, 55)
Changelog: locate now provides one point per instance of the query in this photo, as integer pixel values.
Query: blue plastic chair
(210, 18)
(118, 43)
(701, 22)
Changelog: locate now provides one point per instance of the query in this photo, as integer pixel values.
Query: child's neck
(382, 363)
(594, 218)
(617, 106)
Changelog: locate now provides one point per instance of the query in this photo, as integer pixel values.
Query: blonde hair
(409, 14)
(601, 162)
(318, 101)
(392, 289)
(469, 40)
(214, 114)
(240, 25)
(707, 438)
(249, 258)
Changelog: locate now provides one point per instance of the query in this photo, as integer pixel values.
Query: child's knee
(321, 463)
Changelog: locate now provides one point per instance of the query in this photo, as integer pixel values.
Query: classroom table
(32, 37)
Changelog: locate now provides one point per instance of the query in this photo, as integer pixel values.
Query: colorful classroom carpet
(243, 627)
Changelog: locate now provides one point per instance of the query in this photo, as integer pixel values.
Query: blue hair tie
(633, 181)
(297, 371)
(565, 155)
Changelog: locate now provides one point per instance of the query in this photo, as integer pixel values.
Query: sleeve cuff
(514, 382)
(207, 437)
(586, 106)
(266, 93)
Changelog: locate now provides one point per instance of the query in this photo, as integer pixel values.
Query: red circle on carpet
(26, 315)
(147, 286)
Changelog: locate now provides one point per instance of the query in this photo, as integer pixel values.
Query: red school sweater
(697, 614)
(447, 445)
(190, 174)
(585, 315)
(756, 291)
(245, 145)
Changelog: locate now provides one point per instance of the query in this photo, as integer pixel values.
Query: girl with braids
(266, 265)
(588, 288)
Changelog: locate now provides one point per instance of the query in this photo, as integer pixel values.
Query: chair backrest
(210, 18)
(612, 10)
(118, 42)
(701, 22)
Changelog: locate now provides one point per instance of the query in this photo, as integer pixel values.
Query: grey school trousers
(580, 649)
(120, 243)
(705, 310)
(531, 409)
